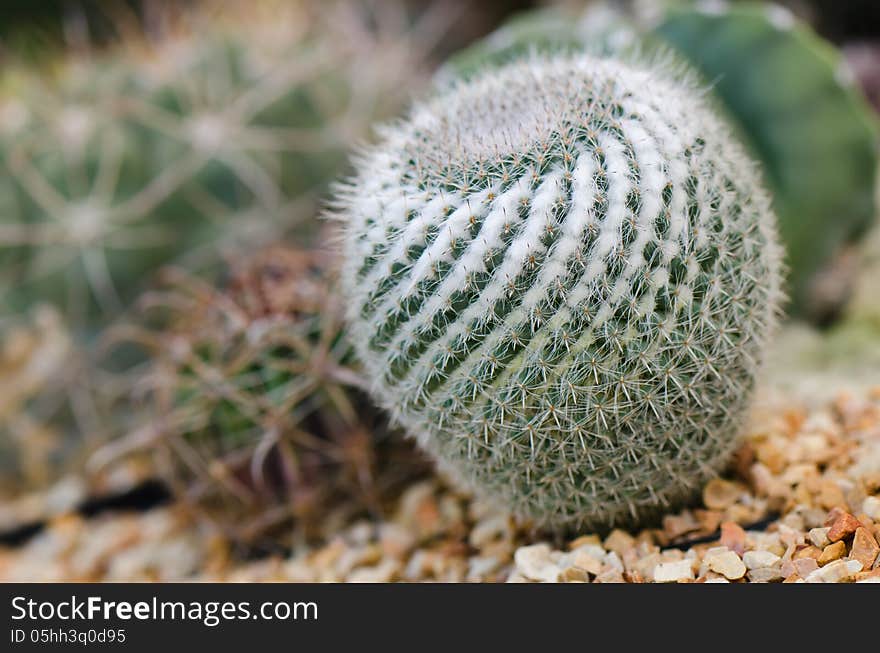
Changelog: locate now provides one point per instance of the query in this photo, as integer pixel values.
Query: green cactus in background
(562, 275)
(214, 137)
(221, 135)
(252, 399)
(786, 92)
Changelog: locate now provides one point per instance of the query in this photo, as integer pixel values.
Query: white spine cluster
(562, 276)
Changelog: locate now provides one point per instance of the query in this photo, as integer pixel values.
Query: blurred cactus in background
(254, 405)
(213, 133)
(788, 93)
(219, 135)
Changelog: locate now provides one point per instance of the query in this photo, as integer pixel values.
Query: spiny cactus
(561, 276)
(252, 401)
(788, 93)
(219, 135)
(215, 136)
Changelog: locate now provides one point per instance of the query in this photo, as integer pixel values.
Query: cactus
(561, 276)
(251, 399)
(220, 135)
(788, 94)
(214, 137)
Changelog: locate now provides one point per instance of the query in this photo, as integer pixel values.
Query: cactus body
(561, 276)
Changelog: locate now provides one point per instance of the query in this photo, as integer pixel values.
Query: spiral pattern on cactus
(562, 276)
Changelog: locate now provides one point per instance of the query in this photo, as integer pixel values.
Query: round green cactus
(562, 275)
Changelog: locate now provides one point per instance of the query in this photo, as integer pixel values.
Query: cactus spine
(562, 275)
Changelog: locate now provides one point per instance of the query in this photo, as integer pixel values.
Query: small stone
(619, 541)
(819, 537)
(832, 552)
(674, 526)
(759, 559)
(720, 494)
(574, 575)
(534, 563)
(610, 575)
(830, 495)
(709, 520)
(613, 561)
(871, 507)
(864, 548)
(583, 559)
(395, 540)
(481, 567)
(487, 531)
(872, 576)
(733, 537)
(673, 572)
(584, 540)
(835, 572)
(810, 551)
(766, 574)
(842, 525)
(385, 572)
(801, 568)
(728, 564)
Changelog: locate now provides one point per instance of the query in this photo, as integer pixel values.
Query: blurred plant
(788, 92)
(219, 135)
(213, 134)
(254, 406)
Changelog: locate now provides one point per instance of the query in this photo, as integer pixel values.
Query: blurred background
(169, 332)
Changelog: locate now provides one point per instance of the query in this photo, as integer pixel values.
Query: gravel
(800, 504)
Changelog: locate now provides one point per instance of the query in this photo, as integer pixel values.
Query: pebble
(672, 572)
(864, 548)
(819, 537)
(832, 552)
(759, 559)
(871, 507)
(619, 541)
(733, 537)
(719, 494)
(728, 564)
(842, 525)
(534, 563)
(835, 572)
(766, 574)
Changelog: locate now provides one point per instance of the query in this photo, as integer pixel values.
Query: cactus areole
(562, 276)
